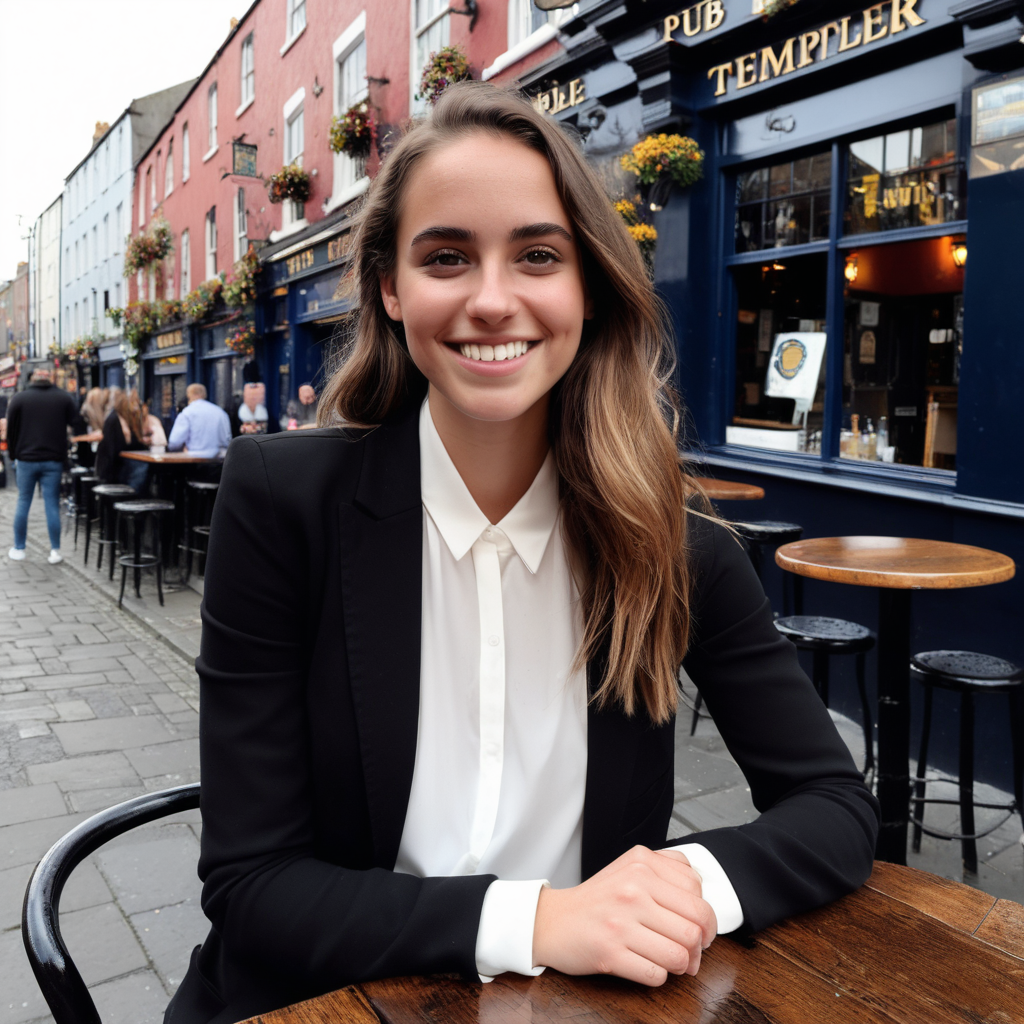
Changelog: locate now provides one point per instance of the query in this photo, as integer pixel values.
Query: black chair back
(62, 986)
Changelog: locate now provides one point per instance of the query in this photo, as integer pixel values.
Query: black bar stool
(84, 502)
(199, 498)
(135, 514)
(824, 637)
(106, 495)
(74, 490)
(758, 535)
(968, 674)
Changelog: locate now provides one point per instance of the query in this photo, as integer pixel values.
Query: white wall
(48, 286)
(91, 194)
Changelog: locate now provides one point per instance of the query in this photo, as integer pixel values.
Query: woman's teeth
(495, 353)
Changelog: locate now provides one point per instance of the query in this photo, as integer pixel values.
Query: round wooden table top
(729, 490)
(900, 563)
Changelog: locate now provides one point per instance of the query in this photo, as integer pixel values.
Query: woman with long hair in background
(124, 430)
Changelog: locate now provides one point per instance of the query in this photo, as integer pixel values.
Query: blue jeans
(47, 475)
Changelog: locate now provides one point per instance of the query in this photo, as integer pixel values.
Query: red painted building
(283, 72)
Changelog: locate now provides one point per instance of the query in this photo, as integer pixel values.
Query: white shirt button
(493, 641)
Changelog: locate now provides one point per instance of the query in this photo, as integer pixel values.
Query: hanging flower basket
(660, 161)
(445, 67)
(149, 247)
(200, 301)
(291, 182)
(645, 235)
(240, 287)
(773, 7)
(353, 133)
(243, 338)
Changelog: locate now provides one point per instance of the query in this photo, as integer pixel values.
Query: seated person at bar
(250, 415)
(301, 415)
(201, 428)
(440, 650)
(124, 430)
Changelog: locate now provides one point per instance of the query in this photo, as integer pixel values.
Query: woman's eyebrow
(537, 231)
(443, 234)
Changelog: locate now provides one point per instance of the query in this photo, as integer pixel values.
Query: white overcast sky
(66, 64)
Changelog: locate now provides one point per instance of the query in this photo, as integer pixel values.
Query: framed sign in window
(243, 159)
(997, 128)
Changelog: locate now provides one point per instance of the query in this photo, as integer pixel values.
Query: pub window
(902, 347)
(905, 179)
(211, 244)
(350, 74)
(186, 263)
(779, 399)
(241, 225)
(430, 33)
(784, 204)
(294, 144)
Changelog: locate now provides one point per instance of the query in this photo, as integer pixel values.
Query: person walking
(37, 436)
(201, 427)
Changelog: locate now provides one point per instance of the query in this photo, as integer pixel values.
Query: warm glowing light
(778, 266)
(850, 270)
(959, 253)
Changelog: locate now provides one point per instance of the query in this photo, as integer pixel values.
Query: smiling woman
(440, 646)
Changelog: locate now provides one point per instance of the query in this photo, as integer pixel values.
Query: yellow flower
(625, 208)
(643, 233)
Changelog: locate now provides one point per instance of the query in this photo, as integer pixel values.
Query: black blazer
(309, 707)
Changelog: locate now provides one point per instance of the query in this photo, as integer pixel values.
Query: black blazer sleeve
(285, 921)
(815, 838)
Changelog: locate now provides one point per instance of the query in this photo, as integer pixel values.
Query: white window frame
(119, 227)
(211, 243)
(142, 201)
(241, 224)
(440, 16)
(211, 122)
(346, 184)
(151, 181)
(294, 108)
(169, 169)
(186, 263)
(186, 154)
(521, 46)
(95, 245)
(247, 65)
(106, 236)
(291, 34)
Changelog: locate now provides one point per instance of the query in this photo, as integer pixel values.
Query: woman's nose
(493, 298)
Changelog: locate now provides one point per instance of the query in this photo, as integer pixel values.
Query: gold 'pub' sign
(702, 17)
(888, 18)
(557, 99)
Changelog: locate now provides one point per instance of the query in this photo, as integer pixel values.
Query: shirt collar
(458, 517)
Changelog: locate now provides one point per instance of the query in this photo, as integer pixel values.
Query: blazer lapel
(382, 541)
(612, 743)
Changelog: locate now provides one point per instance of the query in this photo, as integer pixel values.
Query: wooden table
(896, 566)
(95, 436)
(907, 948)
(170, 458)
(729, 490)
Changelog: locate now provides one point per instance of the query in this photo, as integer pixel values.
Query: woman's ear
(389, 297)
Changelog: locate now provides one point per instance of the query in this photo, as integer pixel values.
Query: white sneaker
(16, 554)
(55, 556)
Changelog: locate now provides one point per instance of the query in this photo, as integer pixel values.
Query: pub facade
(844, 279)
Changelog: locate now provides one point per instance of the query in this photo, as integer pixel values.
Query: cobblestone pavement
(94, 709)
(99, 704)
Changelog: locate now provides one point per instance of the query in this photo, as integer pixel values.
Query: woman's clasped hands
(640, 918)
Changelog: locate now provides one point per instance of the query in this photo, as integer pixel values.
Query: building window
(784, 204)
(151, 179)
(211, 243)
(904, 179)
(430, 35)
(169, 169)
(186, 264)
(186, 155)
(524, 19)
(894, 340)
(106, 236)
(241, 225)
(211, 113)
(169, 277)
(119, 222)
(294, 144)
(95, 245)
(117, 294)
(248, 71)
(351, 88)
(296, 17)
(120, 148)
(78, 266)
(142, 198)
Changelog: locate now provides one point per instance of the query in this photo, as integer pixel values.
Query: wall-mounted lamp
(959, 250)
(850, 270)
(471, 11)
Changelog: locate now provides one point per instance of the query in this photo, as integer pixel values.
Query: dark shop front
(301, 313)
(844, 279)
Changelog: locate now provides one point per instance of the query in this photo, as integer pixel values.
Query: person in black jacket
(124, 430)
(440, 651)
(37, 438)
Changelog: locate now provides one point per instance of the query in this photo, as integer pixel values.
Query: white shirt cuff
(716, 888)
(504, 941)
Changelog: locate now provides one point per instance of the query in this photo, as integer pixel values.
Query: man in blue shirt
(201, 427)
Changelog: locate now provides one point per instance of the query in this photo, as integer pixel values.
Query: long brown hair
(614, 415)
(129, 409)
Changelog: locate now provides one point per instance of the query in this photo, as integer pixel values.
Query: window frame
(211, 121)
(347, 184)
(185, 270)
(186, 154)
(169, 169)
(418, 32)
(837, 246)
(247, 73)
(291, 34)
(241, 224)
(211, 244)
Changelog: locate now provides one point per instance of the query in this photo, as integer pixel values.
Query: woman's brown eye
(445, 259)
(540, 257)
